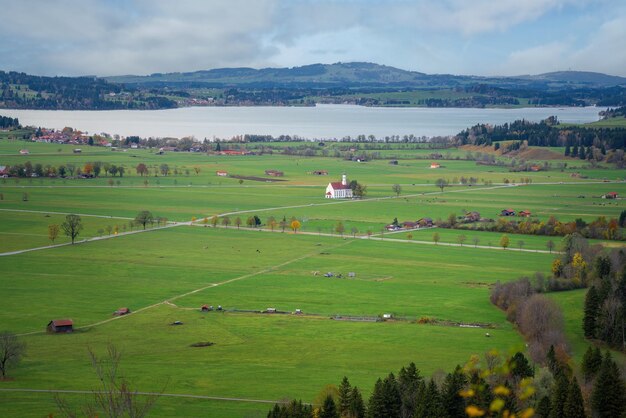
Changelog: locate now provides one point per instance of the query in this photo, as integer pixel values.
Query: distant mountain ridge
(361, 74)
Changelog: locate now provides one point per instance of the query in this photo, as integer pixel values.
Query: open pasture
(258, 356)
(166, 275)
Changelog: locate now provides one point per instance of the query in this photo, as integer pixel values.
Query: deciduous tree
(504, 242)
(397, 189)
(11, 352)
(144, 217)
(53, 232)
(72, 226)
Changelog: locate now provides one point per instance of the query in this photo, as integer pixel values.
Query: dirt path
(169, 395)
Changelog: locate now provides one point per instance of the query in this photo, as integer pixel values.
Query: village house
(425, 222)
(221, 173)
(435, 165)
(472, 216)
(60, 325)
(610, 195)
(524, 213)
(274, 173)
(339, 190)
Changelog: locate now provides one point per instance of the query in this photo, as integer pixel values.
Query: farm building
(339, 190)
(410, 225)
(121, 312)
(320, 173)
(24, 152)
(4, 171)
(610, 195)
(507, 212)
(221, 173)
(77, 150)
(472, 216)
(60, 325)
(205, 308)
(435, 165)
(425, 222)
(524, 213)
(274, 173)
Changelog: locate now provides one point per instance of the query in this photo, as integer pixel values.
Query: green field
(165, 275)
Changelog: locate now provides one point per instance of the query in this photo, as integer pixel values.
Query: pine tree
(574, 404)
(592, 360)
(592, 309)
(430, 405)
(408, 385)
(357, 406)
(559, 396)
(607, 398)
(622, 219)
(581, 153)
(543, 407)
(376, 404)
(329, 409)
(567, 150)
(345, 396)
(575, 151)
(391, 392)
(520, 367)
(453, 403)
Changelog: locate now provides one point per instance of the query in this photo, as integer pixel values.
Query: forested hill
(363, 74)
(23, 91)
(580, 141)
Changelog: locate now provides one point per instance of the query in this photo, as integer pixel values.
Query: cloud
(107, 37)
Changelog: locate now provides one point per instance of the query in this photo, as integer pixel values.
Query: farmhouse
(472, 216)
(221, 173)
(425, 222)
(435, 165)
(410, 225)
(339, 190)
(610, 195)
(24, 152)
(524, 213)
(60, 325)
(274, 173)
(507, 212)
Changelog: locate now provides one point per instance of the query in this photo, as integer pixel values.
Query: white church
(339, 189)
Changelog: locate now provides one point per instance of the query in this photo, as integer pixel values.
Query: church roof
(337, 185)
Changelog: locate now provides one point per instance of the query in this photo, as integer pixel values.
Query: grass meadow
(165, 275)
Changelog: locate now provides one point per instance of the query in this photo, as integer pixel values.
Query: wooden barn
(60, 326)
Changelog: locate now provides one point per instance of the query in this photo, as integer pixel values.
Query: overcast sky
(480, 37)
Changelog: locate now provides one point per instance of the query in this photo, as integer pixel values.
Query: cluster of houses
(512, 212)
(53, 136)
(420, 223)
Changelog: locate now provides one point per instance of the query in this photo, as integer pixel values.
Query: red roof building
(339, 189)
(60, 325)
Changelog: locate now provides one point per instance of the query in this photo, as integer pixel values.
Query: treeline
(546, 133)
(601, 228)
(23, 91)
(495, 386)
(89, 169)
(9, 123)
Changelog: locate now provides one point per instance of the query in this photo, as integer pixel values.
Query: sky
(477, 37)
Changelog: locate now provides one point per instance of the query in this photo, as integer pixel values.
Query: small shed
(270, 310)
(221, 173)
(60, 326)
(205, 308)
(121, 312)
(435, 165)
(77, 150)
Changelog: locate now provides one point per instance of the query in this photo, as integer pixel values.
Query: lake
(319, 122)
